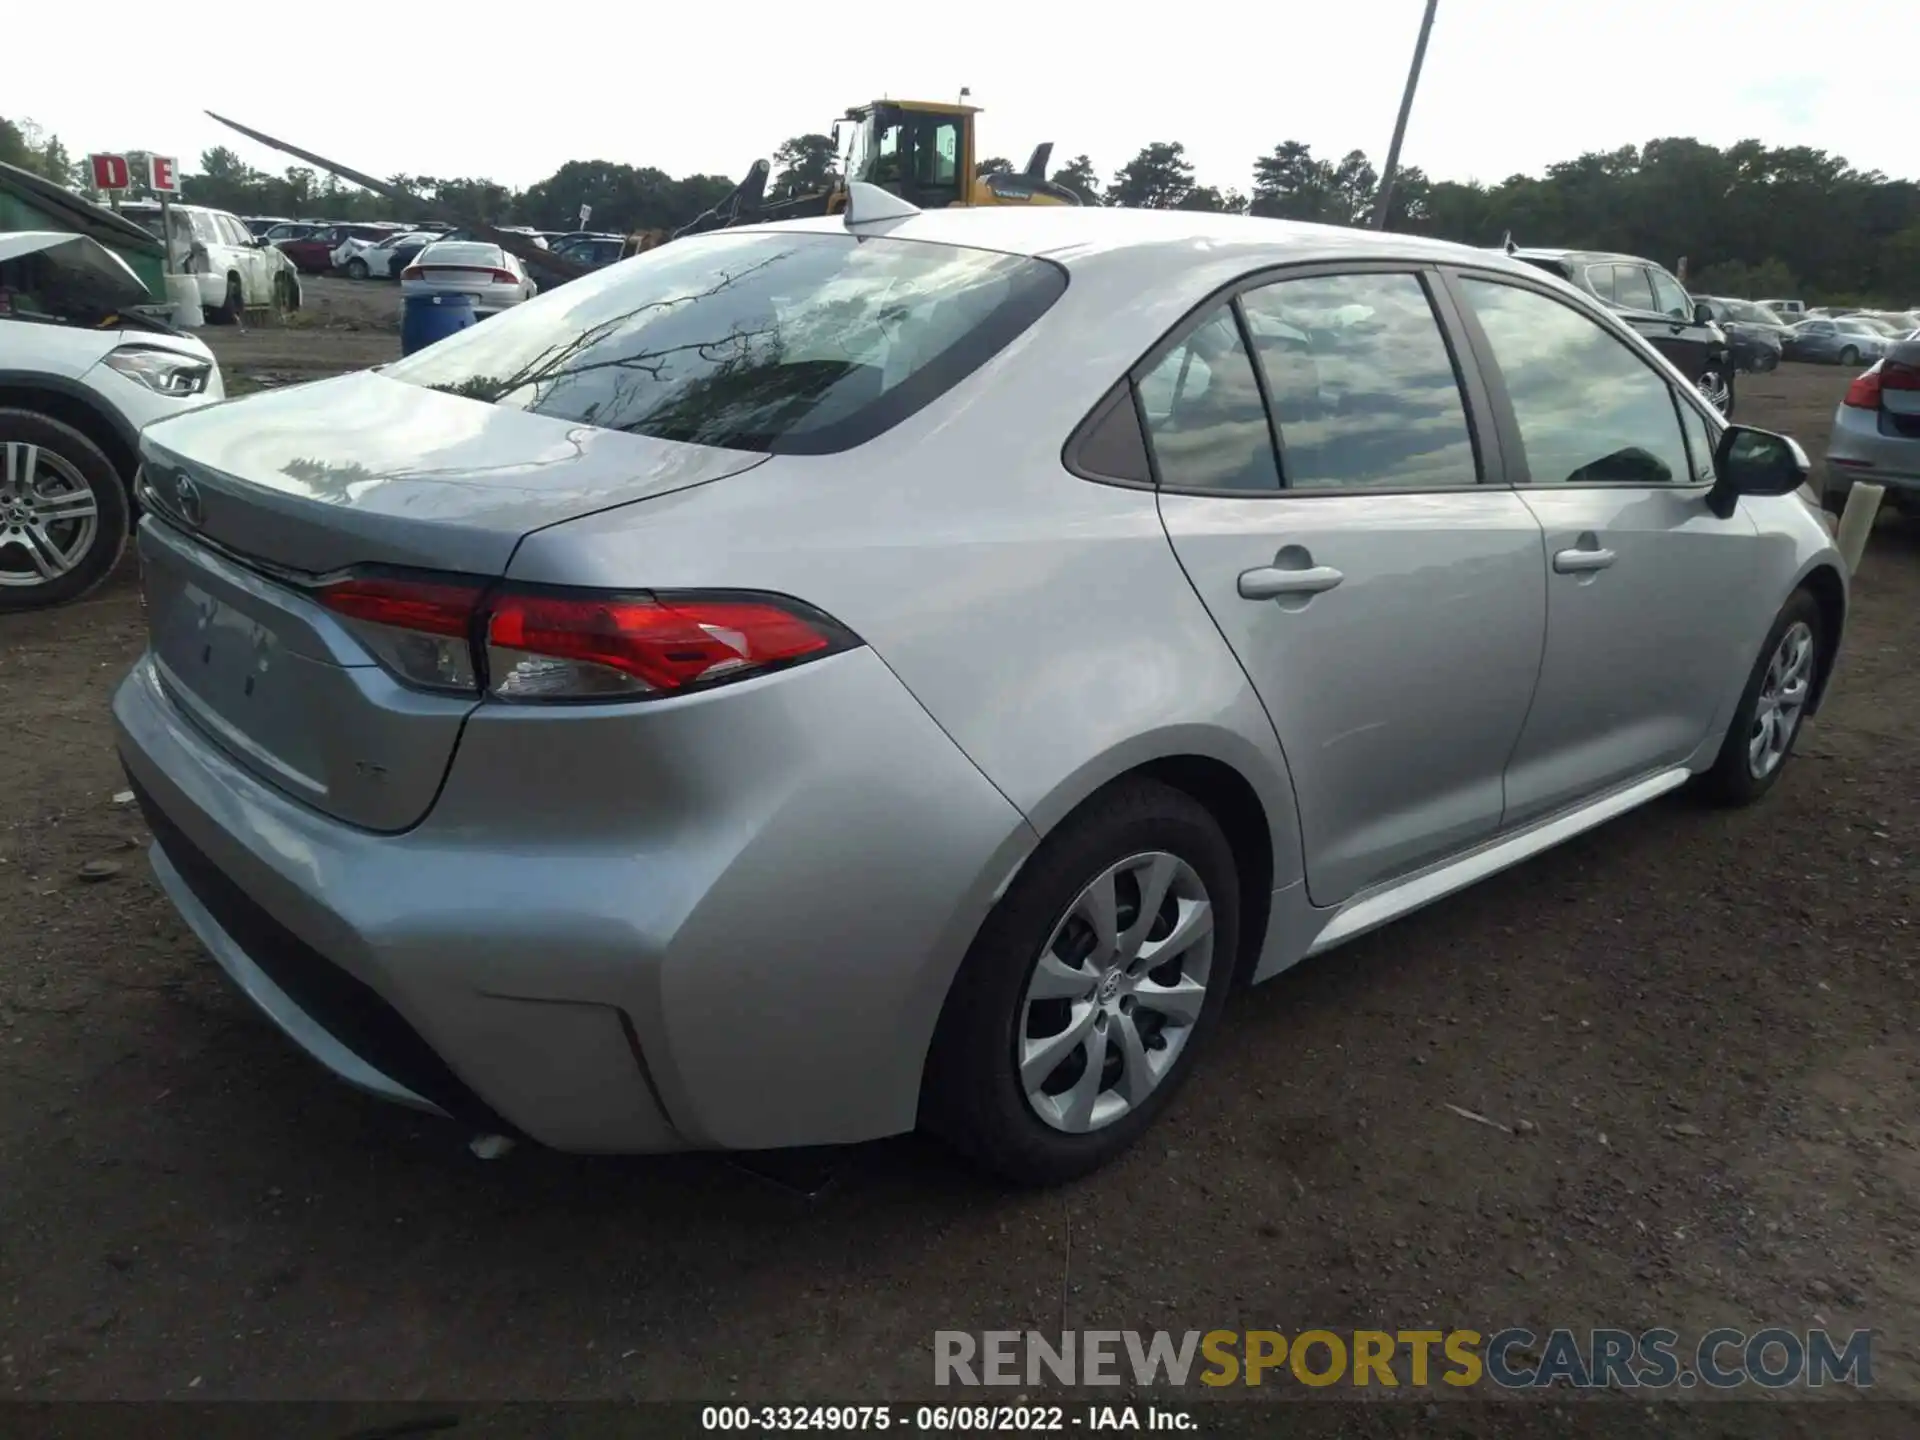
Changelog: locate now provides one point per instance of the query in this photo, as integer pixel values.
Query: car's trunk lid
(264, 498)
(365, 470)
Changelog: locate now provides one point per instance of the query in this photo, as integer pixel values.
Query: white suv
(80, 376)
(234, 269)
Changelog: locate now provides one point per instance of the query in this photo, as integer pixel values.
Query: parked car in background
(1876, 431)
(1784, 307)
(313, 252)
(80, 373)
(410, 247)
(260, 224)
(232, 267)
(291, 230)
(493, 277)
(595, 252)
(631, 762)
(379, 259)
(1835, 340)
(1649, 299)
(1881, 323)
(1756, 336)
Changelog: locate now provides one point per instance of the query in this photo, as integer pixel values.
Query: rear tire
(42, 516)
(974, 1095)
(233, 309)
(356, 268)
(1849, 356)
(1738, 777)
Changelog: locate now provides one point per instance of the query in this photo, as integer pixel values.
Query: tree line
(1748, 219)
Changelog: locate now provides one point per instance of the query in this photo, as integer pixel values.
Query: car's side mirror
(1755, 462)
(1702, 314)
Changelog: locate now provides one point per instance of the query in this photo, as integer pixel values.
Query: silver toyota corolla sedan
(815, 680)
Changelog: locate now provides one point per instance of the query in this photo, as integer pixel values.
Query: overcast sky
(513, 90)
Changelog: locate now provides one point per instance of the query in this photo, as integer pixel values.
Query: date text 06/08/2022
(937, 1419)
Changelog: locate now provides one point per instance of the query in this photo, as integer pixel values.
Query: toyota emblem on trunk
(186, 499)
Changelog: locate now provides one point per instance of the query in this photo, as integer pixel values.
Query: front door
(1647, 589)
(1387, 607)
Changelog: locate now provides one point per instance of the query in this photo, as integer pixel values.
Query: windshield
(800, 343)
(1750, 313)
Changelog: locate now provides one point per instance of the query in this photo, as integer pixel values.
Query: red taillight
(432, 607)
(412, 272)
(541, 645)
(505, 277)
(1864, 392)
(1895, 376)
(569, 644)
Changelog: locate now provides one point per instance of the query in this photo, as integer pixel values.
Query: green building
(32, 202)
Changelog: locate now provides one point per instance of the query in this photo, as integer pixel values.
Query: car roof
(1075, 234)
(1535, 252)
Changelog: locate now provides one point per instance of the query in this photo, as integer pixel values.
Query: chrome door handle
(1581, 562)
(1270, 581)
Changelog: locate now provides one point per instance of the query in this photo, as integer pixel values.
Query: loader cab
(923, 153)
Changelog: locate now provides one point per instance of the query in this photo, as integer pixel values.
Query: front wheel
(63, 512)
(1849, 356)
(1772, 706)
(1717, 386)
(1089, 991)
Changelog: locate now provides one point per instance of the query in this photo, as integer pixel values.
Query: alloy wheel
(1115, 993)
(1782, 700)
(49, 517)
(1719, 394)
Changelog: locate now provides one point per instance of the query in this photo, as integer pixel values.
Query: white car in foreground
(83, 378)
(495, 279)
(363, 259)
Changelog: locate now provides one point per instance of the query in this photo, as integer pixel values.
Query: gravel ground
(1705, 1020)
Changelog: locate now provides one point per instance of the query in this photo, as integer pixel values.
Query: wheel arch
(1235, 781)
(70, 404)
(1829, 591)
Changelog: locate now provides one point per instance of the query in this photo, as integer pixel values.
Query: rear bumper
(742, 939)
(1857, 453)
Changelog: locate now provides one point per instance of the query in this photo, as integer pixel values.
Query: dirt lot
(1705, 1019)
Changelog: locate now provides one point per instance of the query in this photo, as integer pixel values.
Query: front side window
(1361, 383)
(774, 342)
(1590, 411)
(1668, 297)
(1631, 288)
(1205, 419)
(204, 229)
(1700, 443)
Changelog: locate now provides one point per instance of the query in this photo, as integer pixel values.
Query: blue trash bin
(433, 317)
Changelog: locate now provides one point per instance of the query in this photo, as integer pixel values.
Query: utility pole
(1385, 202)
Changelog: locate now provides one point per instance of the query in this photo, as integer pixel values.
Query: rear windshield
(792, 343)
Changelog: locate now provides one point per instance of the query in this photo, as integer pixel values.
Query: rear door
(1388, 607)
(1649, 594)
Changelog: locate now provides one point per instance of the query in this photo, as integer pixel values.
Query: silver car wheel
(1713, 385)
(1782, 700)
(1115, 993)
(48, 516)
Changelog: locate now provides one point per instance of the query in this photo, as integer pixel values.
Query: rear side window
(1631, 287)
(1205, 418)
(1669, 297)
(1361, 383)
(1600, 281)
(776, 342)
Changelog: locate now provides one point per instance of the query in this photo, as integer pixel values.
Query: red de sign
(110, 172)
(163, 174)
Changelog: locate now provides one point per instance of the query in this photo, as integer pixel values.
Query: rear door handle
(1270, 581)
(1581, 562)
